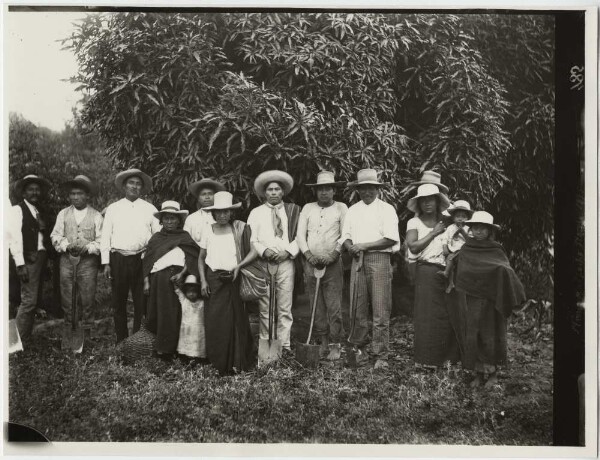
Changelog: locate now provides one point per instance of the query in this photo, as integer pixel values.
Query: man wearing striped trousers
(370, 230)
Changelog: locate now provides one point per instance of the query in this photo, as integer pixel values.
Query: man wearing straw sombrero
(204, 191)
(29, 246)
(128, 225)
(274, 225)
(370, 232)
(319, 229)
(77, 232)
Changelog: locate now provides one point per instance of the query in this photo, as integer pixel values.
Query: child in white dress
(455, 236)
(192, 339)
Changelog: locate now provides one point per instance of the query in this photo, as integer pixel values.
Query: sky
(35, 67)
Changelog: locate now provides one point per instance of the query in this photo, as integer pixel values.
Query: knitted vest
(83, 233)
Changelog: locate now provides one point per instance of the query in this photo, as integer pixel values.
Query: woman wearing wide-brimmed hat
(435, 341)
(487, 290)
(171, 254)
(224, 250)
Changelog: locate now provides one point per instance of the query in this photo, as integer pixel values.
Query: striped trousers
(373, 283)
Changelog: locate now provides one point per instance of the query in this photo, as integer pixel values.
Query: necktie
(276, 220)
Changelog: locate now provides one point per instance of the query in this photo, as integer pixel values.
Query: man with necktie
(274, 225)
(29, 244)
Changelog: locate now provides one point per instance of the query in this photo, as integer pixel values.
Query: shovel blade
(14, 339)
(308, 355)
(72, 339)
(268, 351)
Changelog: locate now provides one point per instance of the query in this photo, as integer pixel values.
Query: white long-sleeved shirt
(319, 229)
(15, 240)
(128, 225)
(196, 224)
(368, 223)
(60, 240)
(263, 235)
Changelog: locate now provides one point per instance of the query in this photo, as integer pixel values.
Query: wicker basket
(138, 346)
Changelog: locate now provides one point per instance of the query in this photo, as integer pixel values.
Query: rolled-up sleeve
(254, 226)
(15, 237)
(58, 238)
(390, 225)
(302, 229)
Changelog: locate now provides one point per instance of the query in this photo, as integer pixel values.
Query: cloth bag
(253, 284)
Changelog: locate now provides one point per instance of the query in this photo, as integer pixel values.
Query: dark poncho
(162, 242)
(483, 271)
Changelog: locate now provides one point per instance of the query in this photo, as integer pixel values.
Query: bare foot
(476, 381)
(491, 381)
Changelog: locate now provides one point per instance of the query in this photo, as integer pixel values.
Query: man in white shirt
(128, 225)
(371, 228)
(319, 229)
(77, 232)
(204, 191)
(29, 245)
(274, 225)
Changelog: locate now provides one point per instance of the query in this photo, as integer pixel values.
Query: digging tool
(270, 350)
(306, 354)
(354, 352)
(14, 339)
(75, 333)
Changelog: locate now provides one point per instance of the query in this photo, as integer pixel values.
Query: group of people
(185, 271)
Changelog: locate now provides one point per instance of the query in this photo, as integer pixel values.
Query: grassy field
(94, 397)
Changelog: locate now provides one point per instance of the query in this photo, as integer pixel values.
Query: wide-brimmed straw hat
(428, 190)
(191, 280)
(31, 178)
(482, 217)
(431, 177)
(171, 207)
(273, 175)
(365, 177)
(81, 181)
(326, 178)
(223, 201)
(122, 177)
(460, 205)
(196, 187)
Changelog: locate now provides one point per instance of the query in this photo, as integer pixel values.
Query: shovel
(354, 352)
(306, 354)
(74, 335)
(14, 339)
(269, 350)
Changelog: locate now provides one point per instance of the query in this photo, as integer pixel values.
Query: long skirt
(164, 310)
(481, 332)
(228, 335)
(435, 339)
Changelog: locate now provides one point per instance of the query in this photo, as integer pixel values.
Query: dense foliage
(57, 157)
(192, 95)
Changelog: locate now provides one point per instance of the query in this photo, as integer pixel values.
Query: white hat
(191, 280)
(482, 217)
(365, 177)
(326, 178)
(432, 177)
(171, 207)
(460, 205)
(273, 175)
(428, 190)
(223, 200)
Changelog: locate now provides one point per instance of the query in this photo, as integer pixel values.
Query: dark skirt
(228, 335)
(163, 316)
(435, 339)
(481, 332)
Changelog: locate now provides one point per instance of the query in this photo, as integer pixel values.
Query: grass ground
(94, 397)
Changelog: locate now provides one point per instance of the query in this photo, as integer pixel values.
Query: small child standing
(192, 338)
(455, 236)
(487, 290)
